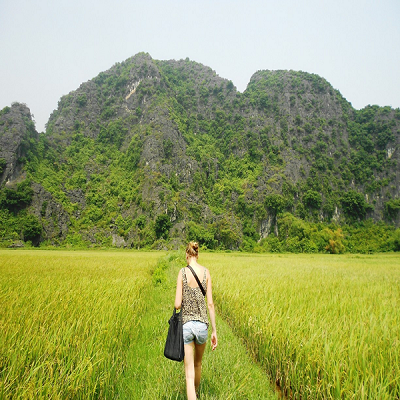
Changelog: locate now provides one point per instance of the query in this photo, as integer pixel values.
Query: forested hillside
(151, 153)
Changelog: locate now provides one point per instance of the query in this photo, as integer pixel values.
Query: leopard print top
(193, 302)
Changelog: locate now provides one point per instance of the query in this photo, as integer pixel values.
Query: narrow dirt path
(228, 372)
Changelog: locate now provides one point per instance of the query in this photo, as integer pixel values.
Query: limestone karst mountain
(152, 152)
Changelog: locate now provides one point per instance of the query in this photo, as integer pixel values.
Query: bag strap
(198, 281)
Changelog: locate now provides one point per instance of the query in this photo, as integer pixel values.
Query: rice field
(92, 324)
(66, 319)
(322, 326)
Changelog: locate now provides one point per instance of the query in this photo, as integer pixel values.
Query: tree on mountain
(16, 199)
(275, 204)
(3, 164)
(354, 205)
(312, 199)
(31, 229)
(162, 226)
(392, 208)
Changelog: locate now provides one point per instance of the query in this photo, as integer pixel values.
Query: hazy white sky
(49, 47)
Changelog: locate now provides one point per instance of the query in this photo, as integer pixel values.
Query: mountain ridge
(150, 138)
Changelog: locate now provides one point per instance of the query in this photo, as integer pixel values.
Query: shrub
(335, 245)
(229, 232)
(312, 199)
(204, 236)
(271, 244)
(368, 237)
(82, 100)
(392, 208)
(17, 199)
(32, 229)
(275, 203)
(395, 240)
(3, 164)
(140, 222)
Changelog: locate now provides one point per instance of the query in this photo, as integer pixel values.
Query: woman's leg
(198, 356)
(189, 371)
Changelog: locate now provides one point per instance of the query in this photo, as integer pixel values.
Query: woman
(194, 316)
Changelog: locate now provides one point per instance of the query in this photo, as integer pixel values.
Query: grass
(66, 319)
(92, 324)
(87, 324)
(322, 326)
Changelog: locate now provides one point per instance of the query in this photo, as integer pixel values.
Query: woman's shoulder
(202, 268)
(199, 269)
(181, 272)
(204, 271)
(199, 265)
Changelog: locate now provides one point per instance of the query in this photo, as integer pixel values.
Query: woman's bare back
(199, 269)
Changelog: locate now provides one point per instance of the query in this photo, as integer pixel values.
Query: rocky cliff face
(319, 133)
(17, 130)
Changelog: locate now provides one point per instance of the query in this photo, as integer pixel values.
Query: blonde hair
(192, 249)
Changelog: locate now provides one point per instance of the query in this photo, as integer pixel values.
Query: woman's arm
(211, 310)
(178, 295)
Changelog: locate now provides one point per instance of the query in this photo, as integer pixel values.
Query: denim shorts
(195, 331)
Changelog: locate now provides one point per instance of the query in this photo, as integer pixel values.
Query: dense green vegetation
(151, 153)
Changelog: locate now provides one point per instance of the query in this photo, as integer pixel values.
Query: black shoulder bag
(174, 348)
